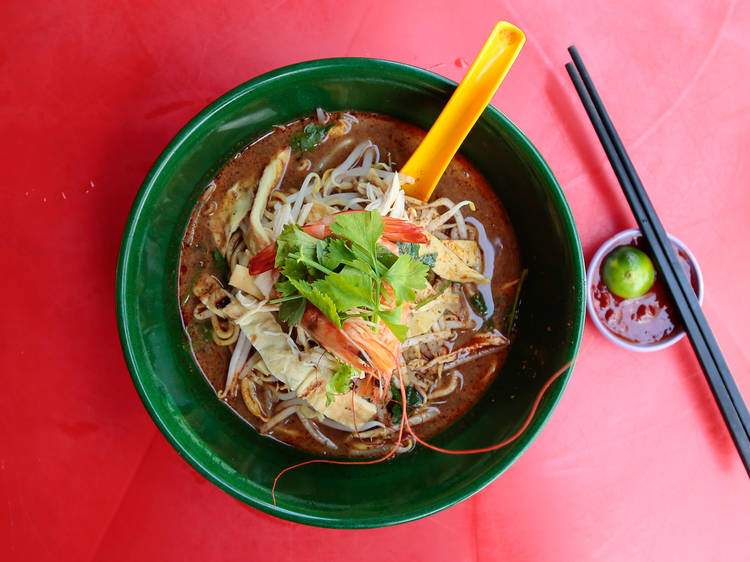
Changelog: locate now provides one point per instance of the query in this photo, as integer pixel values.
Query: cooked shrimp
(263, 260)
(394, 230)
(355, 343)
(337, 341)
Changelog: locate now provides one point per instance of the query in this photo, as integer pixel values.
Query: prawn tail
(333, 339)
(382, 348)
(398, 230)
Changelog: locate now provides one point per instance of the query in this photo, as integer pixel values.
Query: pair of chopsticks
(704, 344)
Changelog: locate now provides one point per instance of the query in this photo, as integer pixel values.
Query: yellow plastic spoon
(435, 152)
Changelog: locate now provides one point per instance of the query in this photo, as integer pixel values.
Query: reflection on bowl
(227, 450)
(646, 323)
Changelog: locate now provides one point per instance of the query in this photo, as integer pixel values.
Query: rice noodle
(304, 212)
(322, 116)
(424, 414)
(290, 410)
(311, 183)
(361, 449)
(248, 366)
(353, 157)
(406, 445)
(456, 358)
(349, 117)
(334, 151)
(239, 356)
(360, 427)
(221, 335)
(316, 434)
(380, 432)
(432, 225)
(446, 390)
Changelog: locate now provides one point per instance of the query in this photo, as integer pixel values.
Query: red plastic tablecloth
(635, 463)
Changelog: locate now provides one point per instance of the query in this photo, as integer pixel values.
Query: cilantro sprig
(309, 137)
(412, 249)
(347, 275)
(413, 399)
(340, 382)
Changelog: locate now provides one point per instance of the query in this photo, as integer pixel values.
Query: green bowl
(224, 448)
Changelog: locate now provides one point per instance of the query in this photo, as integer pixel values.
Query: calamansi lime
(628, 272)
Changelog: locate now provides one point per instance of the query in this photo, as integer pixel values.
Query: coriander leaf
(477, 303)
(294, 269)
(285, 287)
(334, 253)
(362, 229)
(396, 411)
(220, 262)
(413, 399)
(360, 267)
(294, 240)
(319, 300)
(313, 267)
(392, 319)
(385, 256)
(394, 391)
(341, 382)
(348, 290)
(291, 311)
(404, 275)
(309, 137)
(367, 262)
(412, 249)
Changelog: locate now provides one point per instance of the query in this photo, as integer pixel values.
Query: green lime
(628, 272)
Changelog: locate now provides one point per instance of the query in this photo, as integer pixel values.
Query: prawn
(356, 344)
(394, 230)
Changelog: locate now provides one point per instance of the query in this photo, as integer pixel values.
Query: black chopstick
(704, 343)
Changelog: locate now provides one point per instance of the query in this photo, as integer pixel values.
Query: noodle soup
(308, 281)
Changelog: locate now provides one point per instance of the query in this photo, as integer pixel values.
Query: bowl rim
(124, 261)
(596, 260)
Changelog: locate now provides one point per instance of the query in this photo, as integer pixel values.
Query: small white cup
(601, 253)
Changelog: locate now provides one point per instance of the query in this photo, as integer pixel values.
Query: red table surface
(635, 463)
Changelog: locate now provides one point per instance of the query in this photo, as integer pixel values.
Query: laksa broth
(312, 288)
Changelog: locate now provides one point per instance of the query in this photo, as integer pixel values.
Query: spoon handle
(472, 95)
